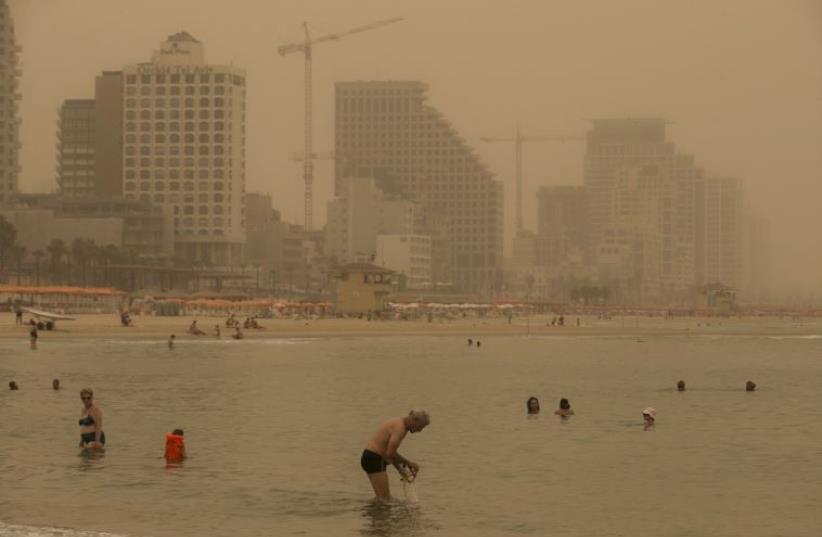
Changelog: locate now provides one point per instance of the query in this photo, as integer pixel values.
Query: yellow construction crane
(518, 140)
(305, 47)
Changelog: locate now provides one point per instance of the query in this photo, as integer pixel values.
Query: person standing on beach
(381, 450)
(171, 341)
(33, 337)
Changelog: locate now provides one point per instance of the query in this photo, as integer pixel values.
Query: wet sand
(152, 327)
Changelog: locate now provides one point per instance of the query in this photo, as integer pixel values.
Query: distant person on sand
(532, 405)
(217, 331)
(238, 334)
(91, 422)
(175, 446)
(18, 315)
(680, 386)
(750, 386)
(478, 343)
(194, 329)
(55, 384)
(171, 339)
(13, 386)
(470, 342)
(564, 409)
(649, 416)
(381, 450)
(33, 337)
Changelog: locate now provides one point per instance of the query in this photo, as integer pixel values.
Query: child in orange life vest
(175, 446)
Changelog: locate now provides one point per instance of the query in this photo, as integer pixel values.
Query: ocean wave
(808, 336)
(13, 530)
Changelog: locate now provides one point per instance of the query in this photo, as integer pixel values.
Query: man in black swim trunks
(381, 450)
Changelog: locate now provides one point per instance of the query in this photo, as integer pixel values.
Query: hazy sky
(740, 79)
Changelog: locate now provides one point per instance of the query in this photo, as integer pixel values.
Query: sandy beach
(107, 326)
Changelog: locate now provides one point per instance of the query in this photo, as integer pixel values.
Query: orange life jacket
(175, 447)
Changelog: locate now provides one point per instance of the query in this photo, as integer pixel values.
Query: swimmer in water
(478, 344)
(532, 405)
(91, 422)
(55, 384)
(13, 386)
(750, 386)
(680, 386)
(175, 446)
(564, 409)
(470, 342)
(649, 416)
(381, 450)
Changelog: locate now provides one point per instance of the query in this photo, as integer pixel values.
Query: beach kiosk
(362, 288)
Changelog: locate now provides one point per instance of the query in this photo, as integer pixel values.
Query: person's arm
(397, 460)
(98, 426)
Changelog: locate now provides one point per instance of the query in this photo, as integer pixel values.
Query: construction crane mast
(306, 47)
(518, 140)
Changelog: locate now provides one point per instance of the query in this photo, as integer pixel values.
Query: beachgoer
(564, 409)
(13, 385)
(478, 343)
(18, 315)
(750, 386)
(239, 333)
(171, 339)
(381, 450)
(680, 386)
(649, 416)
(532, 405)
(91, 422)
(470, 342)
(175, 446)
(55, 384)
(33, 337)
(194, 329)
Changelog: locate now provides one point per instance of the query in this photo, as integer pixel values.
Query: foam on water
(13, 530)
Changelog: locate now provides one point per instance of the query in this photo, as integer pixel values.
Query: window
(189, 114)
(145, 90)
(204, 101)
(189, 102)
(203, 150)
(174, 186)
(204, 114)
(159, 114)
(131, 79)
(219, 102)
(189, 138)
(202, 174)
(175, 90)
(145, 138)
(204, 90)
(130, 186)
(131, 138)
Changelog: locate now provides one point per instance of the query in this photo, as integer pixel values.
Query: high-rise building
(390, 126)
(719, 232)
(108, 140)
(184, 147)
(9, 120)
(562, 224)
(630, 166)
(76, 167)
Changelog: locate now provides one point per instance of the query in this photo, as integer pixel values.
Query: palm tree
(8, 236)
(38, 255)
(56, 250)
(18, 252)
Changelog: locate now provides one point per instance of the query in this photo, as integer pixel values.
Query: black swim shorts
(371, 462)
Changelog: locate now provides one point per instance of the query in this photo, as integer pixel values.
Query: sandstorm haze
(741, 82)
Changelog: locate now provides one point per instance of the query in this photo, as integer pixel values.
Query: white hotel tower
(184, 147)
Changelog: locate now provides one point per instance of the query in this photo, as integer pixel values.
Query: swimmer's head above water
(416, 421)
(750, 386)
(55, 384)
(13, 385)
(532, 405)
(680, 386)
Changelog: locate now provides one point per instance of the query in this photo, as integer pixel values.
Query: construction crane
(518, 140)
(306, 47)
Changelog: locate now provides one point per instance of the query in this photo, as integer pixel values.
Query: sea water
(275, 427)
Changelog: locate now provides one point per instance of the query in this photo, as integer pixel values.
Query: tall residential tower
(184, 147)
(9, 120)
(390, 127)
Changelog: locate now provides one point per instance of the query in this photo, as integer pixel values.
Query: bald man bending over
(382, 450)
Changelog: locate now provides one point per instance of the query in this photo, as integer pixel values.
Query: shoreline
(107, 326)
